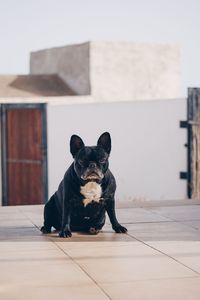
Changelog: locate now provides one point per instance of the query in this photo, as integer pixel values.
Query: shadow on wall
(43, 85)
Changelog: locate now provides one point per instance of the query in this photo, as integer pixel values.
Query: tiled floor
(159, 258)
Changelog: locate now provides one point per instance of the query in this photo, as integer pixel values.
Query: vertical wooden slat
(194, 143)
(25, 184)
(195, 163)
(24, 134)
(3, 155)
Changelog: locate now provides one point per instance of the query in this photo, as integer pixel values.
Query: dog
(86, 192)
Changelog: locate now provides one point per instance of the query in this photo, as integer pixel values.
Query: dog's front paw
(45, 230)
(65, 233)
(120, 229)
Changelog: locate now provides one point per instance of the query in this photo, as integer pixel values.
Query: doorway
(24, 154)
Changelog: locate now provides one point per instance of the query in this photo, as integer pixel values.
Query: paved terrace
(159, 258)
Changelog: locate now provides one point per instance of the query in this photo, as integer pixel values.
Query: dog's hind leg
(50, 216)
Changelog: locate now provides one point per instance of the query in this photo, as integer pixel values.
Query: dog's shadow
(85, 236)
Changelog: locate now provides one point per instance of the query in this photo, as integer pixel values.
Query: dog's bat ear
(76, 144)
(105, 142)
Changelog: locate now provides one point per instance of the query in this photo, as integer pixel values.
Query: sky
(30, 25)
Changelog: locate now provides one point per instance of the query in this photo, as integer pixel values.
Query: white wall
(132, 71)
(148, 146)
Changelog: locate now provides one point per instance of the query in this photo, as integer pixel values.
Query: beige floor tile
(126, 263)
(32, 209)
(194, 224)
(77, 291)
(33, 255)
(15, 223)
(85, 245)
(106, 248)
(12, 216)
(52, 270)
(9, 209)
(177, 247)
(135, 215)
(167, 289)
(121, 269)
(20, 233)
(186, 252)
(48, 267)
(178, 213)
(163, 231)
(34, 213)
(17, 246)
(191, 261)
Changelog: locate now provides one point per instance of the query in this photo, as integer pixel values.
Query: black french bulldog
(86, 192)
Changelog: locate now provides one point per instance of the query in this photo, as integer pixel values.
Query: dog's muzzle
(92, 175)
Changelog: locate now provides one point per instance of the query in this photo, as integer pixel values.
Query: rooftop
(33, 85)
(159, 258)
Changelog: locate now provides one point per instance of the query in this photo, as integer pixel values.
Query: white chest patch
(92, 192)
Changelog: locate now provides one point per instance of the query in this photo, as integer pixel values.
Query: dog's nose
(92, 165)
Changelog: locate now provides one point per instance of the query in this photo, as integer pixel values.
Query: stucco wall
(129, 71)
(148, 146)
(71, 63)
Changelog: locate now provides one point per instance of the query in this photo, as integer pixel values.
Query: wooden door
(194, 143)
(24, 154)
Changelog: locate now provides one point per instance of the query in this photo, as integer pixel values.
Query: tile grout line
(189, 226)
(147, 222)
(28, 218)
(177, 221)
(151, 279)
(84, 271)
(169, 218)
(66, 254)
(165, 254)
(132, 237)
(160, 215)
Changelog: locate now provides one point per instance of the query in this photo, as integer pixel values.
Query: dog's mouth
(92, 176)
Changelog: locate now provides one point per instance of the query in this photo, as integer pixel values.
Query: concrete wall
(70, 63)
(119, 71)
(148, 146)
(129, 71)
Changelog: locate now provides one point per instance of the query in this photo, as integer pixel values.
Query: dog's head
(91, 163)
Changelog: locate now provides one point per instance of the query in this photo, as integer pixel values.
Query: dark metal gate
(193, 143)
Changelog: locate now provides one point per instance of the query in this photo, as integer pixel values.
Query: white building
(131, 90)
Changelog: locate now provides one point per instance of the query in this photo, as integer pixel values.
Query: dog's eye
(102, 161)
(81, 162)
